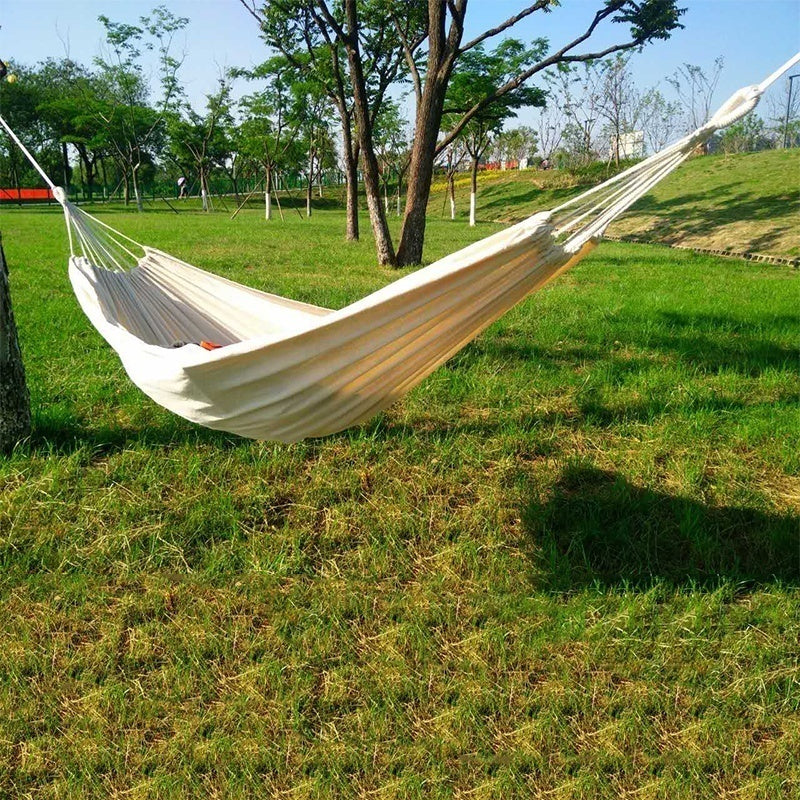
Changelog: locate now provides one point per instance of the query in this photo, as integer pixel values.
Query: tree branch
(511, 21)
(559, 57)
(251, 9)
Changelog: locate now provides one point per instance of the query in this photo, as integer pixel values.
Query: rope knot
(739, 104)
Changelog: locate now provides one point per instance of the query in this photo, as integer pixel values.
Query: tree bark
(15, 406)
(399, 191)
(451, 183)
(88, 165)
(203, 191)
(351, 187)
(473, 191)
(136, 192)
(65, 165)
(350, 150)
(372, 188)
(420, 172)
(268, 195)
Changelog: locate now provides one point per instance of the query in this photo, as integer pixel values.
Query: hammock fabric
(288, 370)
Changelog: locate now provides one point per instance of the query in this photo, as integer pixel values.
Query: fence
(216, 186)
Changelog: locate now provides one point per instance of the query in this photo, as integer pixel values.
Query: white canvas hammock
(289, 370)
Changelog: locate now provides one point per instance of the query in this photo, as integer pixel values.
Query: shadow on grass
(63, 436)
(596, 528)
(708, 342)
(693, 215)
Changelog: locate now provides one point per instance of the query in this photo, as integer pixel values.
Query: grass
(566, 566)
(748, 202)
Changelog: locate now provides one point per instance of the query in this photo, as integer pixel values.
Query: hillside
(746, 202)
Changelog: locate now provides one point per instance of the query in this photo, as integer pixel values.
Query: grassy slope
(567, 564)
(747, 202)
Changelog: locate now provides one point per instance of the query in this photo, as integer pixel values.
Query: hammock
(288, 370)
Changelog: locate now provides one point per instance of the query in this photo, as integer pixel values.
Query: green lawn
(748, 202)
(565, 566)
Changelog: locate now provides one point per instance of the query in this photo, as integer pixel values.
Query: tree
(619, 101)
(479, 74)
(19, 102)
(580, 92)
(131, 123)
(647, 20)
(552, 122)
(70, 107)
(695, 88)
(516, 144)
(451, 161)
(200, 140)
(392, 148)
(744, 136)
(266, 132)
(310, 37)
(660, 119)
(15, 406)
(346, 28)
(310, 116)
(783, 110)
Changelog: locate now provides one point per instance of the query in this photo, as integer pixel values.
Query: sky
(753, 36)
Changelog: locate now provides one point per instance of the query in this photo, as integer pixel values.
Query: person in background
(181, 187)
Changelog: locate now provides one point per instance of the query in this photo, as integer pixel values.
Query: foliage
(745, 135)
(516, 144)
(479, 74)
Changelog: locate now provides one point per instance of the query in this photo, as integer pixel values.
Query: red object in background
(15, 195)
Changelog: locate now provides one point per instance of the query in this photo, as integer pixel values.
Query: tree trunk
(473, 192)
(89, 177)
(105, 179)
(420, 173)
(399, 192)
(372, 188)
(65, 164)
(204, 191)
(451, 183)
(15, 405)
(88, 168)
(268, 195)
(137, 194)
(351, 181)
(309, 184)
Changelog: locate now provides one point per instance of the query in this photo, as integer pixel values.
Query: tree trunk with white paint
(473, 192)
(451, 185)
(268, 195)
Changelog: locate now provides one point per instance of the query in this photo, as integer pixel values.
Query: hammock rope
(285, 370)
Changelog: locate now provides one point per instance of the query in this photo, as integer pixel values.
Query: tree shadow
(707, 342)
(597, 528)
(692, 214)
(524, 195)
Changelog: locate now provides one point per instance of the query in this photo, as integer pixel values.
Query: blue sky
(753, 36)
